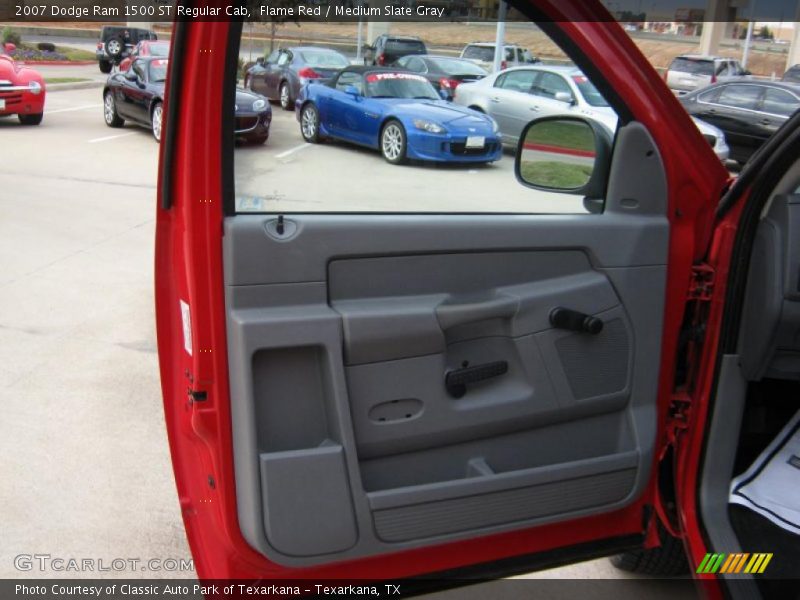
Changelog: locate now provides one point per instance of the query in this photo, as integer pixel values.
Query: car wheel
(157, 119)
(115, 47)
(309, 124)
(393, 142)
(31, 119)
(105, 66)
(668, 560)
(286, 97)
(110, 113)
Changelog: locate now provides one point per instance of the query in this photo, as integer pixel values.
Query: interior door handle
(564, 318)
(456, 381)
(765, 122)
(498, 307)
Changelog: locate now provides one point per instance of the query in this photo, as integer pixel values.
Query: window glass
(517, 81)
(549, 84)
(740, 96)
(158, 70)
(138, 68)
(709, 96)
(329, 154)
(273, 58)
(345, 80)
(415, 64)
(692, 66)
(394, 45)
(779, 102)
(283, 59)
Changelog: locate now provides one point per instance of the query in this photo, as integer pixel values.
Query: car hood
(440, 111)
(245, 99)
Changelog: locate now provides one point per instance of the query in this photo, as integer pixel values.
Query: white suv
(691, 71)
(482, 54)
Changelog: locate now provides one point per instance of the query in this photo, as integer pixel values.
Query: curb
(57, 63)
(78, 85)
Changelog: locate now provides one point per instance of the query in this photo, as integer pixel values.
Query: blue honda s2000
(397, 112)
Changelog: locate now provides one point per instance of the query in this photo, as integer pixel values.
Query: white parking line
(112, 137)
(62, 110)
(293, 150)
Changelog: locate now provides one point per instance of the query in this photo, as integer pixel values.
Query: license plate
(2, 104)
(476, 141)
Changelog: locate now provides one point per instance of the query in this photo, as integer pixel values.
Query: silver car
(515, 97)
(689, 72)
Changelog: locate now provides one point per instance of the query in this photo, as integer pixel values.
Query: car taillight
(714, 78)
(308, 73)
(381, 59)
(448, 84)
(99, 45)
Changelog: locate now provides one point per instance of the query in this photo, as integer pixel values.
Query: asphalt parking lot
(86, 462)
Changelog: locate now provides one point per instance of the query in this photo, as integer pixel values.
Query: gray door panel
(341, 333)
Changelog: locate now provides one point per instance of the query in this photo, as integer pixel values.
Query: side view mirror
(130, 75)
(260, 61)
(565, 97)
(9, 47)
(367, 48)
(352, 90)
(564, 154)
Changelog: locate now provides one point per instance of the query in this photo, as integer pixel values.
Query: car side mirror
(565, 97)
(571, 155)
(260, 61)
(9, 47)
(352, 90)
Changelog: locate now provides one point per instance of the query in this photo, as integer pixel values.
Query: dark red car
(22, 89)
(384, 396)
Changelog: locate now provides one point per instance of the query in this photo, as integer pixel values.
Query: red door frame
(189, 268)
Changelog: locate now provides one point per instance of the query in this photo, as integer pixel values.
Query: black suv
(117, 42)
(389, 48)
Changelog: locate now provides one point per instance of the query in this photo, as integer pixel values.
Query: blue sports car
(397, 112)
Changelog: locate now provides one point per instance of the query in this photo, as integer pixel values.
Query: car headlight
(428, 126)
(35, 87)
(259, 104)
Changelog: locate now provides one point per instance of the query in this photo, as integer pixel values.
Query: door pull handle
(565, 318)
(456, 381)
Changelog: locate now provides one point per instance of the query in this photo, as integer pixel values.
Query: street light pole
(499, 40)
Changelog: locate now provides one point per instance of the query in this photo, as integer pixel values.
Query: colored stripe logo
(734, 563)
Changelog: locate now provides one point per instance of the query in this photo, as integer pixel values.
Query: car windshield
(324, 60)
(482, 53)
(399, 85)
(455, 66)
(158, 71)
(161, 50)
(590, 93)
(692, 66)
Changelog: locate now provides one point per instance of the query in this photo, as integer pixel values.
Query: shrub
(11, 36)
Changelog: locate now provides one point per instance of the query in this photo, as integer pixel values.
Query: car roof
(786, 85)
(560, 69)
(439, 56)
(306, 48)
(704, 57)
(487, 44)
(370, 69)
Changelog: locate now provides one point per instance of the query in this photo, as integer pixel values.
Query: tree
(765, 33)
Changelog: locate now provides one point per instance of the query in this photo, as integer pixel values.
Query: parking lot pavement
(86, 462)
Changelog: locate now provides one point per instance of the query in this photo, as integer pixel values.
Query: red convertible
(22, 90)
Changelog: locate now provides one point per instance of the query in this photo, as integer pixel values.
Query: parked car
(482, 54)
(22, 89)
(398, 113)
(444, 72)
(512, 96)
(280, 75)
(792, 74)
(117, 42)
(143, 49)
(748, 112)
(387, 49)
(137, 95)
(689, 72)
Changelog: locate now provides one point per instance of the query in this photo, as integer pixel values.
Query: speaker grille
(596, 364)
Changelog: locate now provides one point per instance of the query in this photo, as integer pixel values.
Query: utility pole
(499, 40)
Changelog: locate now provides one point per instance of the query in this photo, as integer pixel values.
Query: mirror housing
(565, 97)
(352, 90)
(565, 154)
